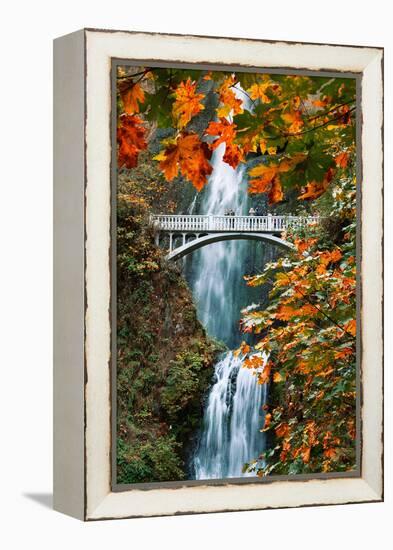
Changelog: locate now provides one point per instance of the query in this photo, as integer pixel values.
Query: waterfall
(233, 414)
(232, 421)
(218, 268)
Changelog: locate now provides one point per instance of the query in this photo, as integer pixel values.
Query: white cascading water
(219, 267)
(233, 414)
(233, 417)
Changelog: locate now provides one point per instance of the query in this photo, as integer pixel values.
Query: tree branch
(317, 308)
(332, 109)
(287, 134)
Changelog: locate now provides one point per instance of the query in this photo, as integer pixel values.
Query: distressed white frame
(99, 501)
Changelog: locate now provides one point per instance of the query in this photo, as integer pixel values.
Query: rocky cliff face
(165, 359)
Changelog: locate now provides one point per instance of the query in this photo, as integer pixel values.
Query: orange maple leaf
(282, 430)
(326, 258)
(342, 353)
(131, 98)
(330, 453)
(131, 140)
(304, 244)
(268, 180)
(285, 313)
(315, 189)
(265, 174)
(245, 348)
(341, 160)
(226, 133)
(275, 193)
(187, 103)
(306, 454)
(264, 376)
(268, 419)
(188, 155)
(253, 362)
(351, 327)
(229, 101)
(322, 102)
(286, 447)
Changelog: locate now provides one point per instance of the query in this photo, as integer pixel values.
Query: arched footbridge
(187, 233)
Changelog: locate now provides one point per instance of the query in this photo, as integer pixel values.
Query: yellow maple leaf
(295, 121)
(259, 89)
(263, 146)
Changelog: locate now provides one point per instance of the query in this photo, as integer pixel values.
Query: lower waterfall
(233, 417)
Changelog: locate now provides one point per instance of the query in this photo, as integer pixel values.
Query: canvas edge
(98, 507)
(68, 274)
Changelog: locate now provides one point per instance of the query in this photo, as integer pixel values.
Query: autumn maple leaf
(282, 430)
(268, 419)
(315, 189)
(277, 377)
(268, 177)
(187, 103)
(228, 100)
(267, 182)
(351, 327)
(303, 245)
(243, 349)
(264, 376)
(131, 97)
(341, 160)
(259, 89)
(131, 140)
(285, 313)
(295, 121)
(188, 155)
(275, 193)
(226, 133)
(253, 362)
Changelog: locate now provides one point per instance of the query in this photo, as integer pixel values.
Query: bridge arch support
(211, 238)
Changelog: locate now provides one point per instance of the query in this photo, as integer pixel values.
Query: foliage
(156, 459)
(309, 332)
(183, 381)
(296, 135)
(294, 123)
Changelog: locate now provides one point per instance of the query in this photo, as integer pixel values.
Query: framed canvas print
(218, 274)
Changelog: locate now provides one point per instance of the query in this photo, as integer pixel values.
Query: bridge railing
(202, 223)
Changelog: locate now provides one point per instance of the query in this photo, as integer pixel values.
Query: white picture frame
(82, 252)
